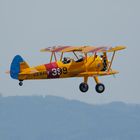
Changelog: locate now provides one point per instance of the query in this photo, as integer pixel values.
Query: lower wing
(100, 73)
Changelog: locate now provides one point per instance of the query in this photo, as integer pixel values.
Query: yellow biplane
(89, 61)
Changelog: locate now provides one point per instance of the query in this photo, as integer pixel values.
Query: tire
(83, 87)
(20, 83)
(100, 88)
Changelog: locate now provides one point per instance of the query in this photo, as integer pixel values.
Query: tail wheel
(100, 88)
(20, 83)
(83, 87)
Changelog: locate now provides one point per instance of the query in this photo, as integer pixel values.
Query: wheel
(20, 83)
(100, 88)
(83, 87)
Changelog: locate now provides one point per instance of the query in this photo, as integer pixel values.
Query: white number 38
(56, 71)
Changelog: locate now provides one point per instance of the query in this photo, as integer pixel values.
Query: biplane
(89, 61)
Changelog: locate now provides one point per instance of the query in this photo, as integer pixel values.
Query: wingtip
(121, 47)
(42, 50)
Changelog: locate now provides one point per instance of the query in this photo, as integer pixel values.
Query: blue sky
(29, 25)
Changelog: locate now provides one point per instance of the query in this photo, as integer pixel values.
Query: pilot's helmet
(65, 59)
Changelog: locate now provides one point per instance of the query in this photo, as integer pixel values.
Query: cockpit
(67, 60)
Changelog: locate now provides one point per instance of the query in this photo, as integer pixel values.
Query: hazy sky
(26, 26)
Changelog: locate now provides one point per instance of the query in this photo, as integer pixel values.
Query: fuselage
(59, 69)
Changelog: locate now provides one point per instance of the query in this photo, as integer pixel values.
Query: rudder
(16, 66)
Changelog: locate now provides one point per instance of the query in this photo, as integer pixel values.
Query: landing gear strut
(83, 87)
(20, 83)
(99, 86)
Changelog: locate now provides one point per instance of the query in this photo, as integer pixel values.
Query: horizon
(63, 98)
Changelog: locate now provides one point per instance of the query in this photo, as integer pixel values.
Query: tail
(17, 66)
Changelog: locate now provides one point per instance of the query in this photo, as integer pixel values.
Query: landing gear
(100, 88)
(20, 83)
(83, 87)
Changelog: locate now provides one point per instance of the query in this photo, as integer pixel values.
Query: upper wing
(55, 49)
(62, 49)
(100, 73)
(117, 48)
(102, 49)
(84, 49)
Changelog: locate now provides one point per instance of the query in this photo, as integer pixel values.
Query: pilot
(104, 60)
(66, 60)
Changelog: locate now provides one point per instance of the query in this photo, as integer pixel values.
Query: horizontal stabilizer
(23, 65)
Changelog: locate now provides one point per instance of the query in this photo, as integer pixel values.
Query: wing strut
(53, 54)
(51, 57)
(111, 61)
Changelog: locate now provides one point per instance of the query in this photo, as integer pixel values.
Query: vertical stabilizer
(17, 65)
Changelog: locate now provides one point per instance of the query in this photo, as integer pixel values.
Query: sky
(26, 26)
